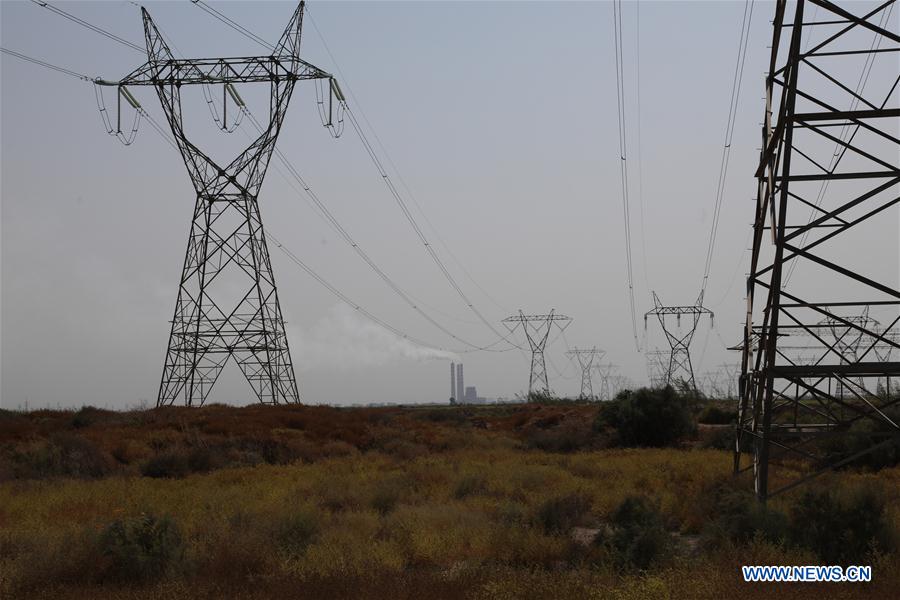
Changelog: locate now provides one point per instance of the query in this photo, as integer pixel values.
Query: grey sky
(501, 118)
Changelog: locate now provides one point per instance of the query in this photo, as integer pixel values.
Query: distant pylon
(606, 380)
(537, 329)
(680, 341)
(657, 367)
(585, 360)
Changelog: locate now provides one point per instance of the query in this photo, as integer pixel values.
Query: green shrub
(738, 517)
(647, 417)
(84, 417)
(637, 537)
(862, 435)
(841, 529)
(714, 415)
(560, 514)
(720, 438)
(141, 548)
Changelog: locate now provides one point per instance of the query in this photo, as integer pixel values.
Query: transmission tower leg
(538, 381)
(217, 316)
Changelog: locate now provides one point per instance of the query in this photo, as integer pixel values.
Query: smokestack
(452, 381)
(459, 381)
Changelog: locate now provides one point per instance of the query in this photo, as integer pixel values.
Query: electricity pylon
(657, 367)
(606, 375)
(537, 329)
(848, 339)
(679, 341)
(825, 129)
(585, 360)
(215, 320)
(732, 372)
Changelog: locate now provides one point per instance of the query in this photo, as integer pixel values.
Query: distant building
(471, 395)
(459, 393)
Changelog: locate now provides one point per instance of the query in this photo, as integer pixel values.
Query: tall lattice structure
(585, 359)
(657, 367)
(215, 320)
(537, 330)
(829, 170)
(679, 367)
(608, 381)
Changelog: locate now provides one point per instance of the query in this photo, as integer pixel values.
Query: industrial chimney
(452, 383)
(459, 382)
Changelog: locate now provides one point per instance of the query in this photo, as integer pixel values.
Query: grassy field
(523, 501)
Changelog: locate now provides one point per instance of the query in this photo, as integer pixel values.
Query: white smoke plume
(346, 339)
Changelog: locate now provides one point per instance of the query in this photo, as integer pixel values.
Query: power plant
(459, 393)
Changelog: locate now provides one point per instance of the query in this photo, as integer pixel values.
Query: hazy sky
(501, 119)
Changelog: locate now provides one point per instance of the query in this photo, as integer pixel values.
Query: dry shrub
(565, 436)
(240, 554)
(295, 532)
(390, 491)
(403, 449)
(129, 452)
(179, 462)
(338, 497)
(337, 449)
(561, 513)
(42, 559)
(470, 485)
(62, 455)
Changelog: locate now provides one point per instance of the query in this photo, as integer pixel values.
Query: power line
(233, 24)
(341, 231)
(743, 44)
(390, 161)
(90, 26)
(343, 297)
(45, 64)
(345, 235)
(640, 147)
(373, 155)
(623, 159)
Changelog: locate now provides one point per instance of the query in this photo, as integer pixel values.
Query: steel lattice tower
(226, 242)
(828, 127)
(537, 329)
(606, 380)
(657, 367)
(585, 360)
(679, 341)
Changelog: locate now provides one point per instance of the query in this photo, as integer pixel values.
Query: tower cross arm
(679, 310)
(550, 317)
(252, 69)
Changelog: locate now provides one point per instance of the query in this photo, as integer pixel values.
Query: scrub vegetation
(553, 500)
